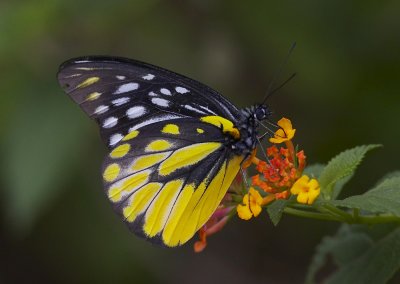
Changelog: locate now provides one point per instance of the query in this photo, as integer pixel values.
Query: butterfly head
(262, 112)
(252, 117)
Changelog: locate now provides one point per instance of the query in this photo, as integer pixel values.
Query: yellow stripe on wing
(215, 196)
(160, 208)
(127, 185)
(173, 238)
(140, 200)
(195, 206)
(180, 205)
(88, 82)
(146, 161)
(226, 125)
(210, 195)
(187, 156)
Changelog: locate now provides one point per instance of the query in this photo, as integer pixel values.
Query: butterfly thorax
(248, 129)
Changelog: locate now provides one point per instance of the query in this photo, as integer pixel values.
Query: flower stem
(308, 214)
(376, 219)
(331, 213)
(343, 215)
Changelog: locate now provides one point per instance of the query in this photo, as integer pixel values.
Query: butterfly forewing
(168, 167)
(122, 95)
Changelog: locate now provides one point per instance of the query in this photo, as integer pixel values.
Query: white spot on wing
(85, 68)
(120, 101)
(73, 75)
(136, 111)
(189, 107)
(115, 138)
(126, 88)
(165, 91)
(154, 120)
(93, 68)
(160, 102)
(148, 77)
(101, 109)
(152, 94)
(110, 122)
(120, 77)
(181, 90)
(207, 109)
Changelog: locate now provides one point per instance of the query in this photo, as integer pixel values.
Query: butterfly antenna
(279, 87)
(277, 74)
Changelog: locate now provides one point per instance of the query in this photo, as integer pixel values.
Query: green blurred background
(57, 226)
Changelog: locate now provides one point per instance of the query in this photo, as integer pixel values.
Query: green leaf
(337, 189)
(357, 242)
(275, 210)
(341, 166)
(388, 176)
(384, 198)
(376, 265)
(360, 256)
(42, 147)
(314, 171)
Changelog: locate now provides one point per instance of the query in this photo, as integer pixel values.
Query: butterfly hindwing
(168, 167)
(166, 185)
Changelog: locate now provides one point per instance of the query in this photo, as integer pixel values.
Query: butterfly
(175, 145)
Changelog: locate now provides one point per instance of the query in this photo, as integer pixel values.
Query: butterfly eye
(262, 112)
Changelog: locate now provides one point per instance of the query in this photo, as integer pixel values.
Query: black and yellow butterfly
(175, 144)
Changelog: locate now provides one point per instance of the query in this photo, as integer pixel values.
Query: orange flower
(284, 167)
(285, 133)
(281, 171)
(282, 195)
(301, 159)
(217, 221)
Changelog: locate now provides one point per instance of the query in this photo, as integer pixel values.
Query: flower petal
(279, 137)
(306, 190)
(199, 246)
(244, 212)
(245, 200)
(285, 123)
(256, 195)
(299, 185)
(302, 198)
(255, 209)
(285, 133)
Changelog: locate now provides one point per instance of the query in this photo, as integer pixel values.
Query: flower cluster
(282, 170)
(278, 177)
(281, 175)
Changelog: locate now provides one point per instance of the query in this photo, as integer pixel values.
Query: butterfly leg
(263, 151)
